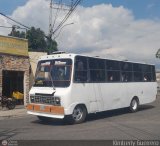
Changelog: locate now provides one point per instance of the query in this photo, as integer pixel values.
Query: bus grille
(43, 99)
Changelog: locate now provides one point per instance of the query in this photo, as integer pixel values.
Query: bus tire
(78, 116)
(134, 105)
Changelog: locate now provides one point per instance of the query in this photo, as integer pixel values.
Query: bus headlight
(57, 101)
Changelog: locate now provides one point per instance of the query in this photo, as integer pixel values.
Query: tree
(158, 54)
(18, 34)
(51, 45)
(37, 41)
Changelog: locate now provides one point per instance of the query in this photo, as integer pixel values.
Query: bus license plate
(42, 107)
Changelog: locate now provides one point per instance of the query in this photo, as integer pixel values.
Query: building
(14, 67)
(34, 57)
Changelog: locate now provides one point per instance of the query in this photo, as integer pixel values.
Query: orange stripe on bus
(29, 107)
(37, 107)
(46, 109)
(57, 110)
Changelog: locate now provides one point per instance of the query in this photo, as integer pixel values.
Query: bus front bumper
(46, 110)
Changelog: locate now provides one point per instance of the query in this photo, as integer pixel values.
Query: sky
(140, 8)
(121, 29)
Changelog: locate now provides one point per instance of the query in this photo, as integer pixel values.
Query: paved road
(117, 124)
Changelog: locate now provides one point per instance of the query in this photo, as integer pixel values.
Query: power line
(5, 26)
(14, 20)
(12, 27)
(61, 29)
(57, 12)
(67, 15)
(71, 10)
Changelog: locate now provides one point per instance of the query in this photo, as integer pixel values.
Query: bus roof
(72, 56)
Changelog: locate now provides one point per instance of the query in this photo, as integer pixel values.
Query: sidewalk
(19, 111)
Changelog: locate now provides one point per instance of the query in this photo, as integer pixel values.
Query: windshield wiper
(52, 80)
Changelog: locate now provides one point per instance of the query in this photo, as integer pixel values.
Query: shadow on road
(92, 117)
(145, 107)
(116, 112)
(53, 122)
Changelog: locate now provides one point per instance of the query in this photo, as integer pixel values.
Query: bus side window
(147, 77)
(111, 78)
(80, 69)
(80, 65)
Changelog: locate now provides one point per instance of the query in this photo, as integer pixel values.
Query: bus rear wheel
(78, 116)
(134, 105)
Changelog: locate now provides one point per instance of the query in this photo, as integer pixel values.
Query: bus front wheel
(78, 116)
(134, 105)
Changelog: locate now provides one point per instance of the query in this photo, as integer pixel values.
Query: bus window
(126, 66)
(80, 69)
(147, 77)
(55, 73)
(153, 74)
(113, 71)
(137, 67)
(138, 77)
(97, 75)
(112, 65)
(97, 70)
(96, 63)
(126, 76)
(146, 68)
(113, 76)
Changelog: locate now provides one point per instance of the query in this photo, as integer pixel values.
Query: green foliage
(17, 34)
(51, 45)
(37, 41)
(158, 54)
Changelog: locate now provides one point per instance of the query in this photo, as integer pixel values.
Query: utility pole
(59, 6)
(53, 26)
(50, 20)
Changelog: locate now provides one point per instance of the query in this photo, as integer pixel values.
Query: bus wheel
(79, 115)
(134, 105)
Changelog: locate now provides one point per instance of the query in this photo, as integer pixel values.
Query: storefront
(14, 67)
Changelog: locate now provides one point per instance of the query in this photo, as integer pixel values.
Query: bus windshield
(55, 73)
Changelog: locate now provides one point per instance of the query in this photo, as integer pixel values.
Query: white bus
(72, 86)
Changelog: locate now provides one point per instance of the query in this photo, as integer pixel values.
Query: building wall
(34, 57)
(16, 63)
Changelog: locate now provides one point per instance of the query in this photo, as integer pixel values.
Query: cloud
(150, 6)
(101, 30)
(3, 22)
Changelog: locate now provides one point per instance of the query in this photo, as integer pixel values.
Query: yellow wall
(13, 46)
